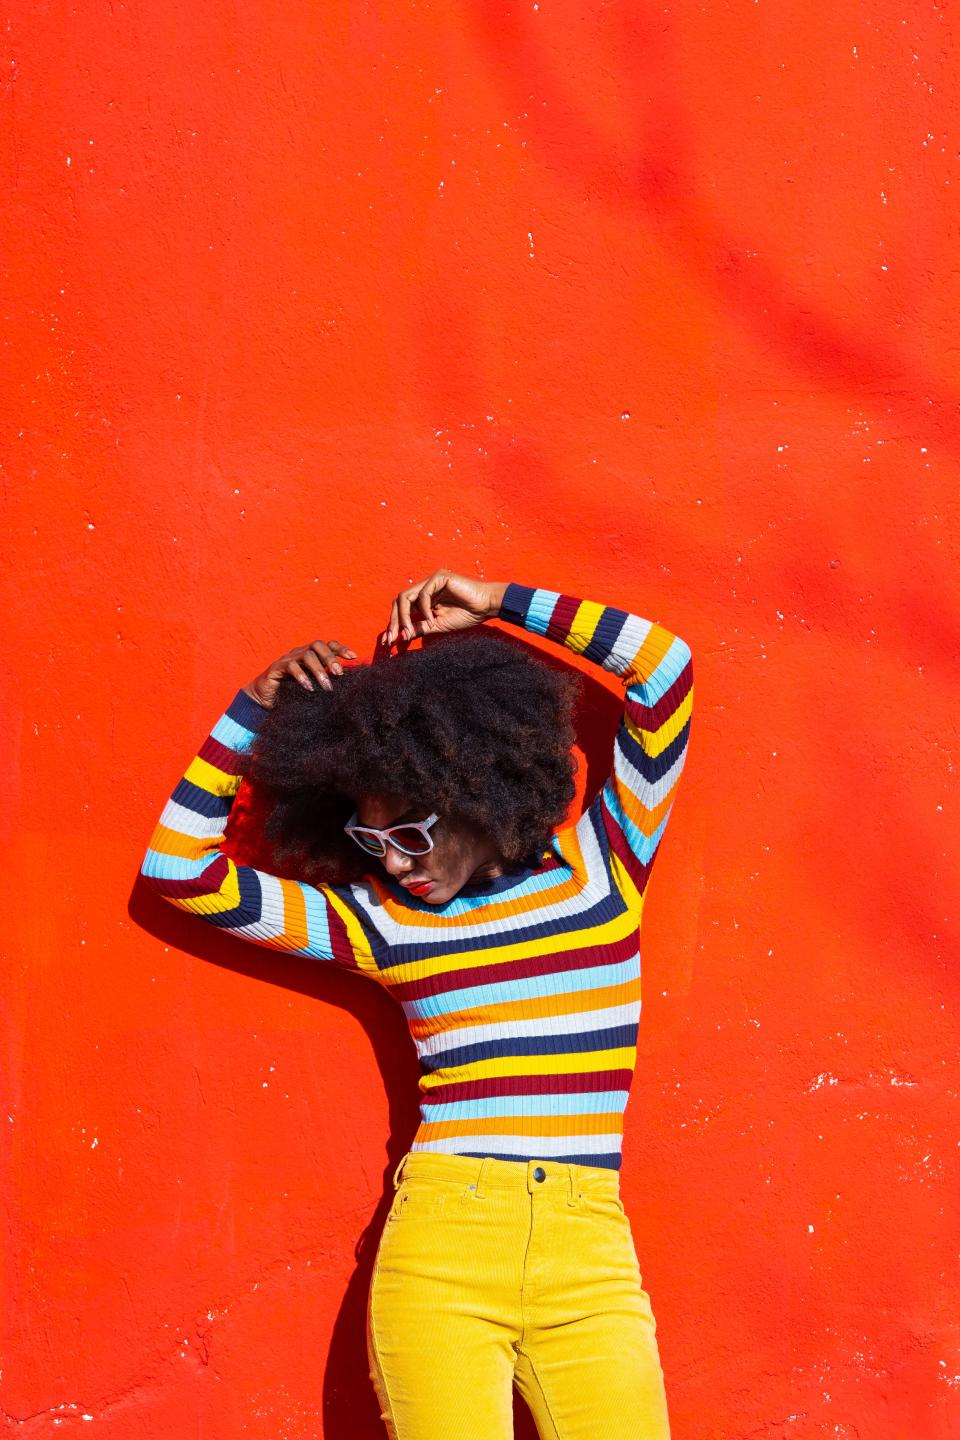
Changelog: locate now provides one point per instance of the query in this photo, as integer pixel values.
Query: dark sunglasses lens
(370, 843)
(413, 841)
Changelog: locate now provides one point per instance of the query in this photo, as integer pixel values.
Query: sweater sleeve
(185, 864)
(628, 817)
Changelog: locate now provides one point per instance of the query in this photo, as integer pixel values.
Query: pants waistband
(488, 1173)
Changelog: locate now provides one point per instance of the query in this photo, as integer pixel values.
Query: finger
(324, 648)
(403, 613)
(425, 599)
(296, 671)
(339, 649)
(392, 625)
(314, 663)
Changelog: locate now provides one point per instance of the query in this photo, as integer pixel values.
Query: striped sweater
(522, 993)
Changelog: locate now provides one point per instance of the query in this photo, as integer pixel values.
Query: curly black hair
(472, 726)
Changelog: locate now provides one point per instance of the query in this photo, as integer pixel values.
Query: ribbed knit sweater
(522, 993)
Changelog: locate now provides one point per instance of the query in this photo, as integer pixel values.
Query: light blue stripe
(318, 921)
(564, 982)
(174, 867)
(643, 846)
(234, 736)
(591, 1102)
(542, 606)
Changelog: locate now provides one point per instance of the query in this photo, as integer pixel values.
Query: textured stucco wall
(654, 305)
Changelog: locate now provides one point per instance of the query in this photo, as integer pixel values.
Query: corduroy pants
(494, 1273)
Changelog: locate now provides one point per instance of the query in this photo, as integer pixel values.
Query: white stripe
(188, 822)
(542, 1145)
(271, 922)
(582, 1020)
(628, 643)
(649, 795)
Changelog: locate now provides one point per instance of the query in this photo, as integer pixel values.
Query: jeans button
(539, 1173)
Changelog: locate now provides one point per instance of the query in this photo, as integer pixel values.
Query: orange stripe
(185, 847)
(605, 1123)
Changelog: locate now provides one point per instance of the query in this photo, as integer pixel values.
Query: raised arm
(185, 864)
(631, 811)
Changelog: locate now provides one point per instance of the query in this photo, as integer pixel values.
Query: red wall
(653, 305)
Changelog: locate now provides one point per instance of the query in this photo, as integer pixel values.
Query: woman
(511, 941)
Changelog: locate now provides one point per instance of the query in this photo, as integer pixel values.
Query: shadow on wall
(650, 177)
(349, 1404)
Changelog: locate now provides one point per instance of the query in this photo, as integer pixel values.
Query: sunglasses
(412, 838)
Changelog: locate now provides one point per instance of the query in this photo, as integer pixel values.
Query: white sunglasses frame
(384, 835)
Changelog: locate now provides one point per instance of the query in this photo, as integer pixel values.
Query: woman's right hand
(318, 659)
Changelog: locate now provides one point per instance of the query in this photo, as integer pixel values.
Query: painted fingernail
(336, 667)
(306, 684)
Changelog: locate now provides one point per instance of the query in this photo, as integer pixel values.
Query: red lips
(421, 888)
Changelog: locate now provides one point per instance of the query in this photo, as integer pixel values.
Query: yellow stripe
(363, 955)
(584, 625)
(654, 742)
(632, 897)
(210, 778)
(587, 1061)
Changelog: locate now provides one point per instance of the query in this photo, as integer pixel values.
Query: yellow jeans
(494, 1273)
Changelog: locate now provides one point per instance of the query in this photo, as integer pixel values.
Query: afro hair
(472, 726)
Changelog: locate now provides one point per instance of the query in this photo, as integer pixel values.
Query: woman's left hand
(444, 601)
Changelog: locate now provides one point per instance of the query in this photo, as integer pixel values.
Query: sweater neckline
(496, 886)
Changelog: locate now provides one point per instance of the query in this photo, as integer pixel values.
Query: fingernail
(337, 668)
(306, 684)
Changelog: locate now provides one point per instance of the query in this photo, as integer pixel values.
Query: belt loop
(396, 1173)
(573, 1189)
(484, 1166)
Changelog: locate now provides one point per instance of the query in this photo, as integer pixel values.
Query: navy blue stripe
(609, 625)
(202, 802)
(600, 1162)
(515, 604)
(250, 908)
(652, 767)
(502, 1046)
(605, 909)
(246, 712)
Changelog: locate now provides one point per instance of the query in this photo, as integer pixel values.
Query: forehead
(381, 809)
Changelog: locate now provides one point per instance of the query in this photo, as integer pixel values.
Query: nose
(396, 862)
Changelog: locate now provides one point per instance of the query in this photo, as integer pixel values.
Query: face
(458, 855)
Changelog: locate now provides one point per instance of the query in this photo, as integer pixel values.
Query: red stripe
(527, 1085)
(561, 621)
(638, 872)
(496, 972)
(651, 717)
(216, 754)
